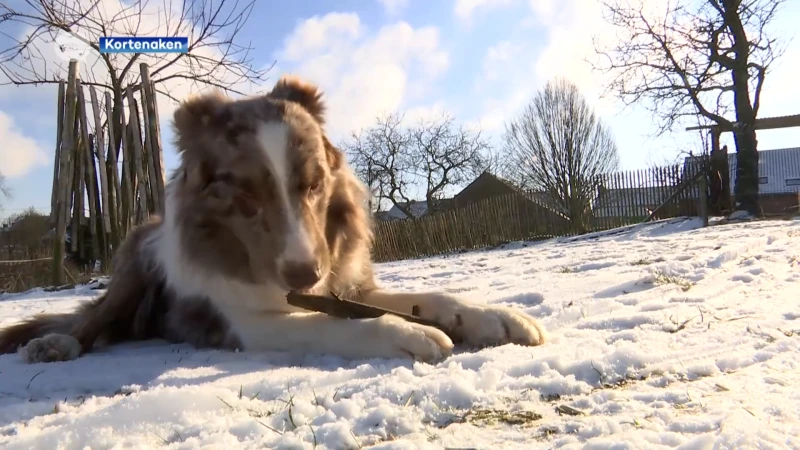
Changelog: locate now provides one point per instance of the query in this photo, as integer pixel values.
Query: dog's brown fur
(229, 218)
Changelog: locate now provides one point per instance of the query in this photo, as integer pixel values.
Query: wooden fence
(119, 186)
(622, 198)
(484, 223)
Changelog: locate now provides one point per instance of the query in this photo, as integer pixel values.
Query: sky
(479, 60)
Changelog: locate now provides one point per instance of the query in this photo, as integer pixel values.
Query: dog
(261, 204)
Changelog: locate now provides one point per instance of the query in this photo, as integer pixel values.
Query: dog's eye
(310, 190)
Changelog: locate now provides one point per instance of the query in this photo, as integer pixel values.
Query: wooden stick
(138, 157)
(79, 183)
(336, 306)
(153, 135)
(99, 150)
(681, 187)
(112, 162)
(147, 153)
(128, 177)
(89, 176)
(56, 193)
(62, 203)
(99, 236)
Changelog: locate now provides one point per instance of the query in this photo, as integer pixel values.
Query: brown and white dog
(261, 204)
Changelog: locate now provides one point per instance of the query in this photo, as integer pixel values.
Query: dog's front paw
(51, 348)
(482, 326)
(393, 337)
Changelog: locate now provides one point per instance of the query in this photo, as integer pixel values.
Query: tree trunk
(744, 133)
(746, 187)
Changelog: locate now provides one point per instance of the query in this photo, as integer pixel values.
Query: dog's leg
(385, 337)
(475, 325)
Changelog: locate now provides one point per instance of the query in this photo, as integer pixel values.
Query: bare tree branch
(446, 156)
(381, 157)
(216, 55)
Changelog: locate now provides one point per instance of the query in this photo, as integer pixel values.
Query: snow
(663, 336)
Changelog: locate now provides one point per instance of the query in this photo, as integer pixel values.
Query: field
(663, 336)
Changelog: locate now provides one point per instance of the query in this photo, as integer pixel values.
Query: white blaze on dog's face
(299, 172)
(257, 179)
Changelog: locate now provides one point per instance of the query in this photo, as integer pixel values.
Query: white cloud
(544, 10)
(425, 113)
(464, 9)
(514, 69)
(499, 59)
(570, 44)
(394, 7)
(318, 33)
(505, 83)
(363, 74)
(20, 154)
(523, 66)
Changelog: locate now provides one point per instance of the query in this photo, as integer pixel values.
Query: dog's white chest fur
(244, 305)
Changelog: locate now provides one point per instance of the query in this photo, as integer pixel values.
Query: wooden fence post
(55, 195)
(128, 177)
(137, 156)
(99, 150)
(703, 197)
(89, 177)
(86, 170)
(67, 146)
(117, 224)
(153, 135)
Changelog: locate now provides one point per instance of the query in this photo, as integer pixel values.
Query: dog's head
(252, 194)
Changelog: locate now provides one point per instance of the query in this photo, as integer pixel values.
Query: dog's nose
(300, 276)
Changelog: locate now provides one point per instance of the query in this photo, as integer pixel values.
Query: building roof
(418, 208)
(540, 198)
(775, 167)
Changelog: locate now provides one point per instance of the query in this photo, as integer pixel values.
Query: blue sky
(481, 60)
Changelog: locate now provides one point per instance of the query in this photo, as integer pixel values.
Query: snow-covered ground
(665, 336)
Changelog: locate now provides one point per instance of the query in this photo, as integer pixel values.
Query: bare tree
(425, 158)
(558, 146)
(215, 56)
(380, 156)
(706, 58)
(5, 191)
(446, 156)
(25, 234)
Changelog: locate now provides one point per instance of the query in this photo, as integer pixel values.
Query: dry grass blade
(569, 410)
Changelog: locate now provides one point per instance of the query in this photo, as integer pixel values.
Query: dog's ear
(201, 112)
(333, 154)
(305, 94)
